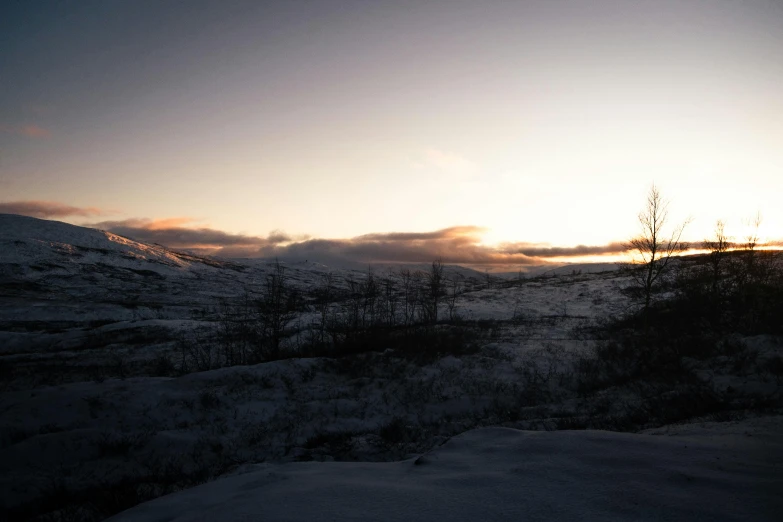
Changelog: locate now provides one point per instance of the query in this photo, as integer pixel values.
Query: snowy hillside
(71, 291)
(30, 241)
(130, 372)
(54, 267)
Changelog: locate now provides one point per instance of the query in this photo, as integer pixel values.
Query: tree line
(733, 286)
(337, 316)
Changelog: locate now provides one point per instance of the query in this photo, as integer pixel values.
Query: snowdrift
(711, 472)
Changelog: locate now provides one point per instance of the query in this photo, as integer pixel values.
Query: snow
(506, 474)
(35, 239)
(85, 314)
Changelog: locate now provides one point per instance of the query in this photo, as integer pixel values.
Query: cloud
(537, 250)
(447, 163)
(452, 245)
(29, 130)
(278, 236)
(48, 209)
(172, 233)
(162, 224)
(446, 233)
(458, 245)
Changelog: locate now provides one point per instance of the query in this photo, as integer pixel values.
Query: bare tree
(718, 245)
(654, 247)
(323, 302)
(435, 289)
(410, 289)
(352, 313)
(370, 294)
(758, 265)
(454, 290)
(276, 308)
(751, 242)
(752, 239)
(744, 266)
(389, 288)
(236, 330)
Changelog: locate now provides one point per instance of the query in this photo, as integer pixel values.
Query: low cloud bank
(48, 209)
(537, 250)
(454, 245)
(174, 233)
(461, 245)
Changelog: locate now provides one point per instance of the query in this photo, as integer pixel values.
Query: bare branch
(654, 248)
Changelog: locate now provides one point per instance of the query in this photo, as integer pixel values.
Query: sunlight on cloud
(175, 222)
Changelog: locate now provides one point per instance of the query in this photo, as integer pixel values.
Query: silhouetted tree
(718, 246)
(389, 288)
(370, 293)
(410, 294)
(454, 290)
(276, 308)
(654, 247)
(324, 297)
(751, 270)
(435, 289)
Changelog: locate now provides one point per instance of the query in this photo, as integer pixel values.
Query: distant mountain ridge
(42, 244)
(27, 240)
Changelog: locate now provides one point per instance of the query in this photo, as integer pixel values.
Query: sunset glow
(538, 122)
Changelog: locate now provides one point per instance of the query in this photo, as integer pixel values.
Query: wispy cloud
(29, 130)
(49, 209)
(447, 163)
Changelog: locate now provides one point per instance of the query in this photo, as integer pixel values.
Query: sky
(448, 126)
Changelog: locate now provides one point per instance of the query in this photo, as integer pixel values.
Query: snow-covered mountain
(35, 249)
(31, 241)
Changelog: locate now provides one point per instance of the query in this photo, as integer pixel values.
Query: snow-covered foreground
(102, 408)
(710, 472)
